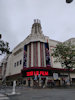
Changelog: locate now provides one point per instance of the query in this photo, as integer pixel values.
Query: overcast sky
(16, 19)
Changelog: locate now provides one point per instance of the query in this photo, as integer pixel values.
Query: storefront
(45, 76)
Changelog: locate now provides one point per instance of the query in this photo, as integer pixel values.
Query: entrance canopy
(42, 71)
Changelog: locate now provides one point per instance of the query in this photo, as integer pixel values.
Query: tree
(4, 47)
(65, 54)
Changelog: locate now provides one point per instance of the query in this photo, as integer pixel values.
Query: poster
(47, 54)
(25, 56)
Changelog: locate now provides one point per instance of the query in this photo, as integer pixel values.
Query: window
(20, 62)
(17, 63)
(14, 64)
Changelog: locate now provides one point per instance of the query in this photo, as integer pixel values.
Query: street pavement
(3, 97)
(39, 94)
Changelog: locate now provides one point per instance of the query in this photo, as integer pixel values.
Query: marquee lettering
(32, 73)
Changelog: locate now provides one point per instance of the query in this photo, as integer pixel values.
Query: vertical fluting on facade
(44, 55)
(31, 54)
(36, 49)
(39, 64)
(35, 54)
(41, 54)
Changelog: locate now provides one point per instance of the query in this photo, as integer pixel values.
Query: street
(41, 94)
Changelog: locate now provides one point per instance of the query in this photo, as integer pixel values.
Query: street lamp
(69, 1)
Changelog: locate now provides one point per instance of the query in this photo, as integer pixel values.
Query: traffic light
(69, 1)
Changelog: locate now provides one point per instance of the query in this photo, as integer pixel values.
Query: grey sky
(16, 18)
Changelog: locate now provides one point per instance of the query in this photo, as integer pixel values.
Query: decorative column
(46, 81)
(44, 55)
(31, 54)
(39, 54)
(40, 81)
(26, 81)
(35, 54)
(31, 82)
(61, 82)
(27, 55)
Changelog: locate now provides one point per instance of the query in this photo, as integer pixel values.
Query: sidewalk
(3, 97)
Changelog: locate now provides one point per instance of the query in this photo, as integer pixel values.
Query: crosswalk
(3, 97)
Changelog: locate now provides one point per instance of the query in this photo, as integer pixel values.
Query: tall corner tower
(36, 27)
(37, 50)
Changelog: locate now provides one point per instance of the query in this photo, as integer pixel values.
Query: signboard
(33, 73)
(28, 72)
(55, 76)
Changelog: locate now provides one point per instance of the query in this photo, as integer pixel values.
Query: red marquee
(42, 73)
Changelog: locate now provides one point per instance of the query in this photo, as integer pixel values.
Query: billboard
(47, 54)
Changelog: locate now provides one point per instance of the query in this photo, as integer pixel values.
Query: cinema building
(31, 62)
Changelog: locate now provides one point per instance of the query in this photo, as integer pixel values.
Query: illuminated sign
(42, 73)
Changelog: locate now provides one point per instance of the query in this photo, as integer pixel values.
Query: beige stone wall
(9, 65)
(52, 45)
(11, 69)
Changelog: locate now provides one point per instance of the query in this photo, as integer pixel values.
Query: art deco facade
(32, 58)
